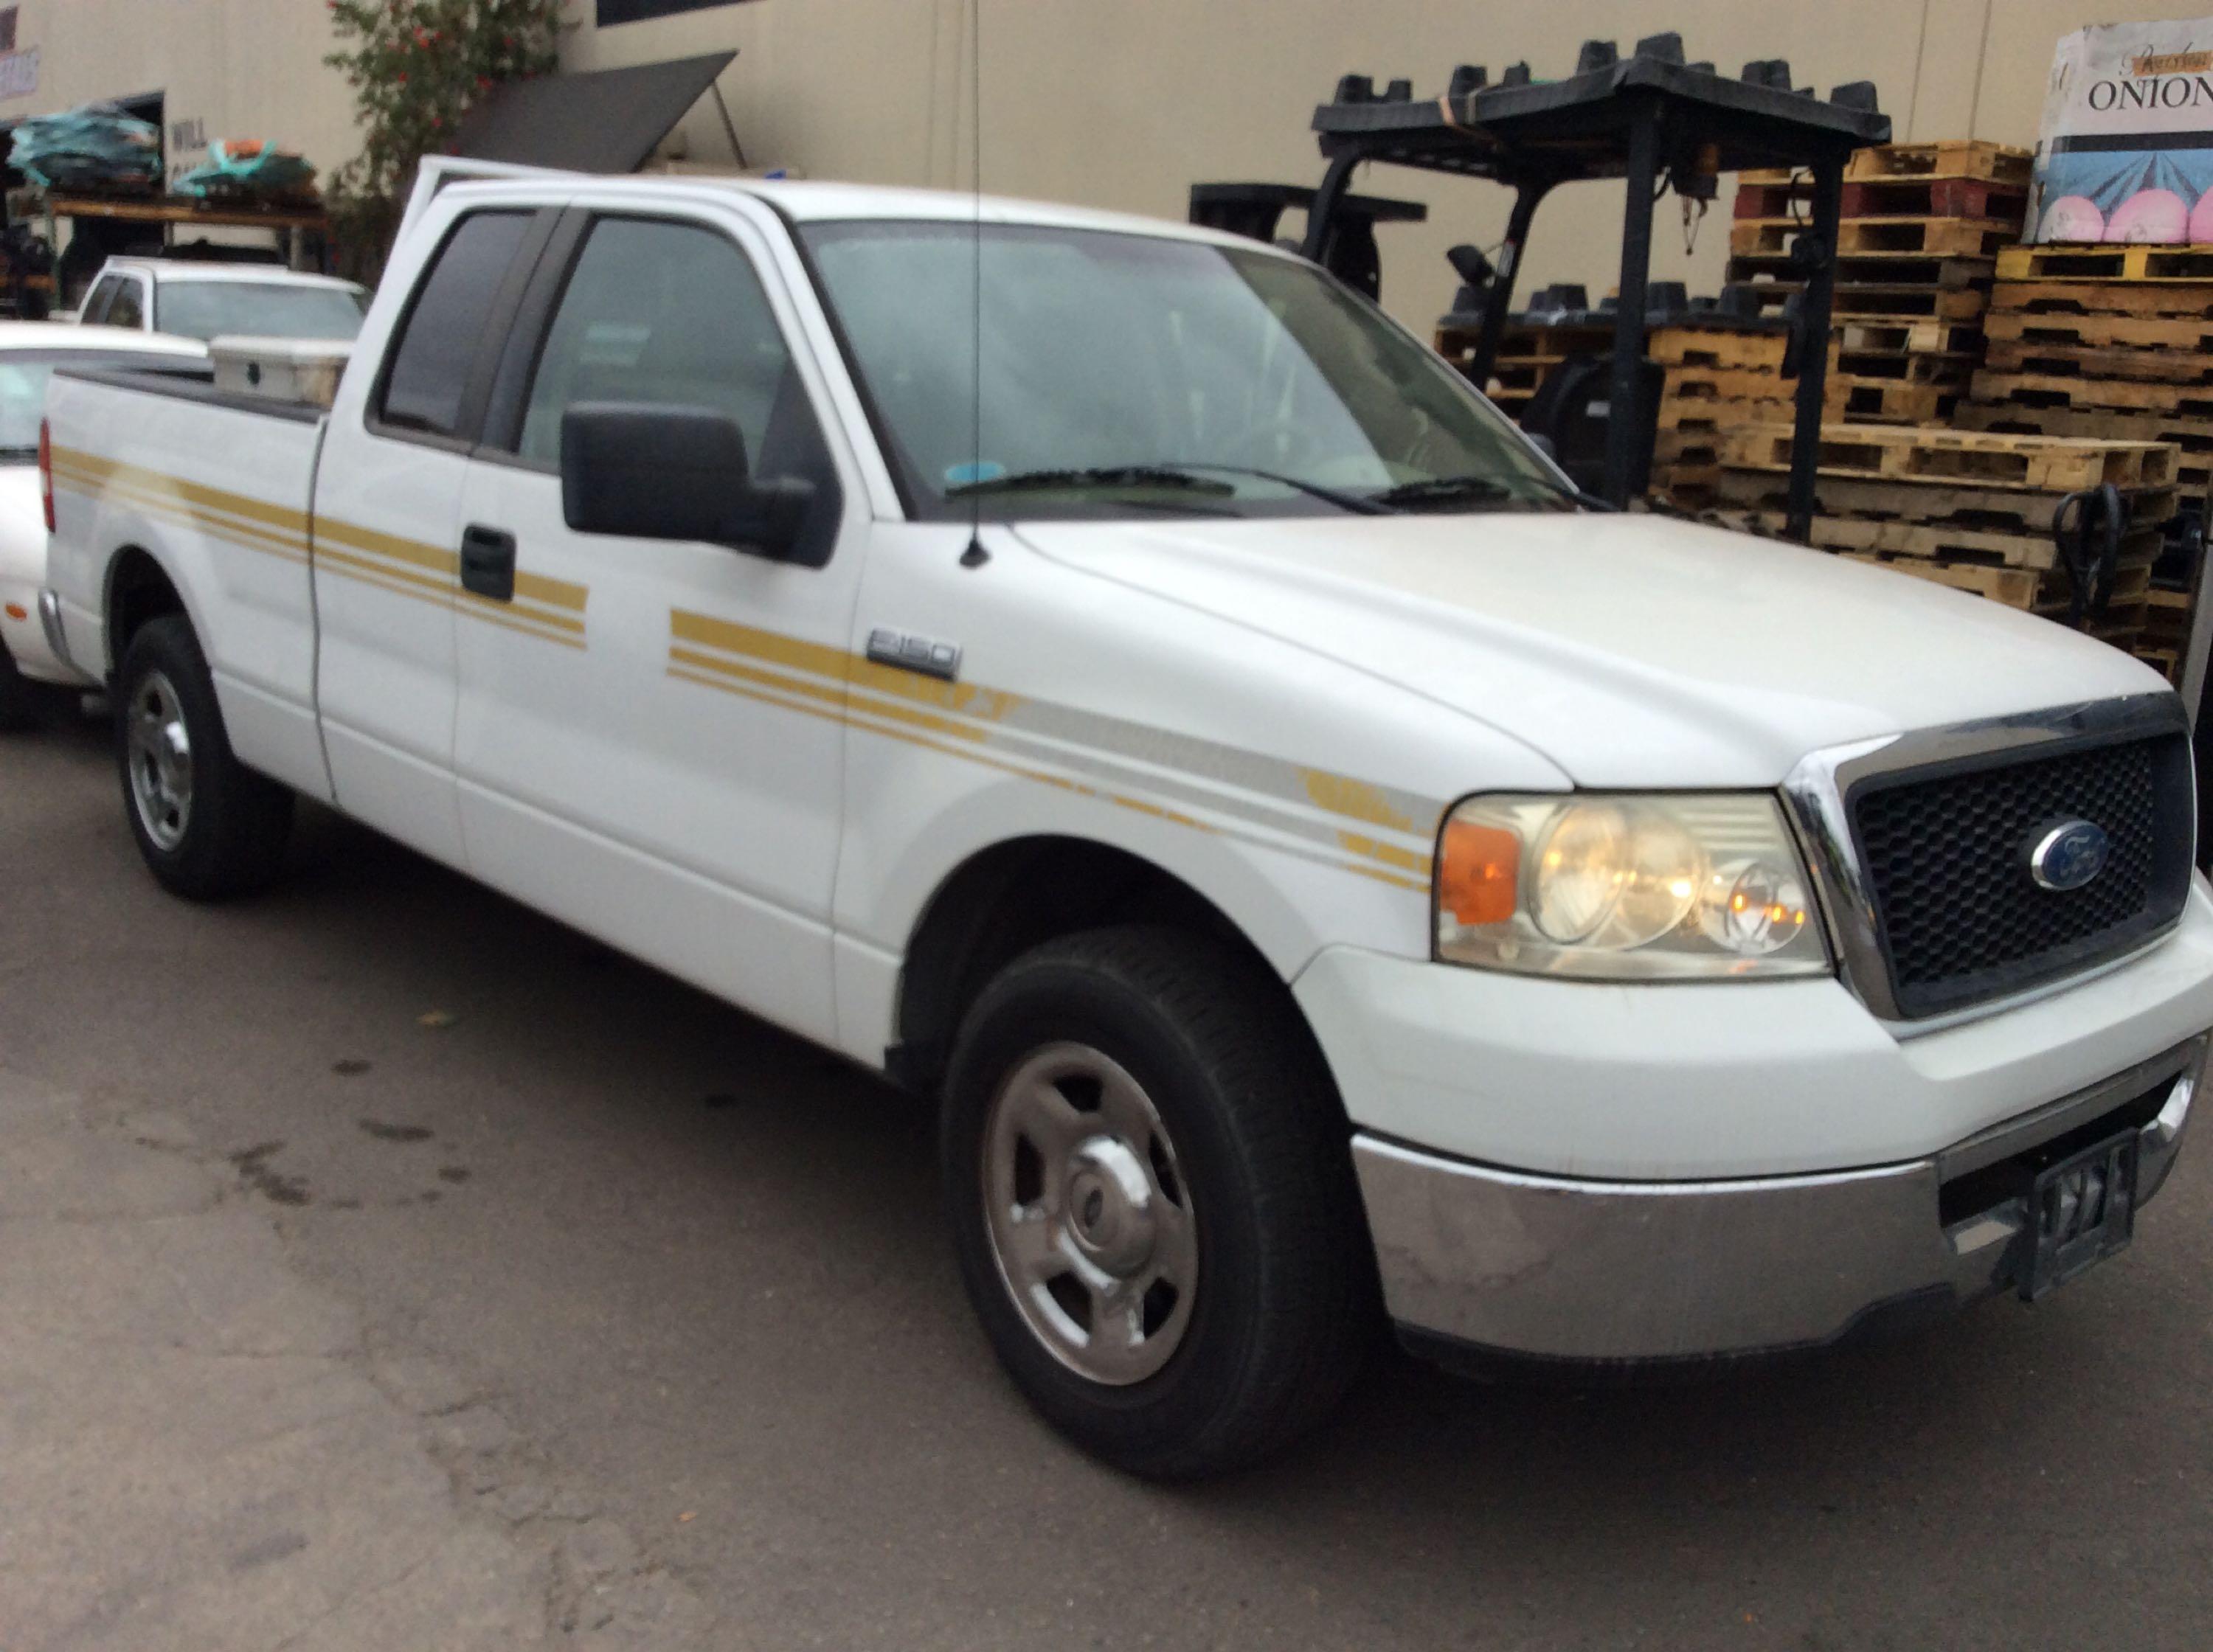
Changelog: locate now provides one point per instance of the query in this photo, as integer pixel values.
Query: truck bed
(218, 489)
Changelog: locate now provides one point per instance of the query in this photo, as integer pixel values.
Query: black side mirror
(653, 473)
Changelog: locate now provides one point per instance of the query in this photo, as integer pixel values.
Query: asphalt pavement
(384, 1265)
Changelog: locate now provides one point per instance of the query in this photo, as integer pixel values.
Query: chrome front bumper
(1499, 1262)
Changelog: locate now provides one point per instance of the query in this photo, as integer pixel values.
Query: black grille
(1946, 854)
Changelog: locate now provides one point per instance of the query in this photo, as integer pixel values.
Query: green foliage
(416, 66)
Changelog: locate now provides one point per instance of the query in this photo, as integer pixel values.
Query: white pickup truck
(1322, 870)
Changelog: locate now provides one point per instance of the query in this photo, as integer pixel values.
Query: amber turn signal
(1478, 870)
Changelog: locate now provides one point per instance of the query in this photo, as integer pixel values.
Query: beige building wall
(1117, 103)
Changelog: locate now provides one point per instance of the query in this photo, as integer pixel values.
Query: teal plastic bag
(95, 146)
(239, 167)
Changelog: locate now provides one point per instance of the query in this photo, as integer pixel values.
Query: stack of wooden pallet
(1972, 510)
(2104, 342)
(1922, 224)
(2110, 343)
(1718, 379)
(1529, 350)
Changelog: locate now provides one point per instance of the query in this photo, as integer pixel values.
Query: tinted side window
(672, 315)
(428, 379)
(128, 309)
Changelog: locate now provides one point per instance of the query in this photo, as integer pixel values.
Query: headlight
(1608, 887)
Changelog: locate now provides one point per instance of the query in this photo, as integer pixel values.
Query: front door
(386, 529)
(649, 742)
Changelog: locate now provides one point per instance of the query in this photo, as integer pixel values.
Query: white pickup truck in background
(194, 298)
(1321, 868)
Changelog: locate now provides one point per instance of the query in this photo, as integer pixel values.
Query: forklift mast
(1651, 118)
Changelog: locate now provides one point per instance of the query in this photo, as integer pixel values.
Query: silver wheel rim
(1089, 1216)
(160, 754)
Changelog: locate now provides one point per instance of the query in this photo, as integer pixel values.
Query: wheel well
(1008, 899)
(138, 591)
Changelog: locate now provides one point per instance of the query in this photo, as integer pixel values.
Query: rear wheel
(206, 825)
(1153, 1202)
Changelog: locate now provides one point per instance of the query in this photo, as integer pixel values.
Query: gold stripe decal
(550, 609)
(978, 724)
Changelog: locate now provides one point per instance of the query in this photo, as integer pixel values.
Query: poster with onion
(2125, 152)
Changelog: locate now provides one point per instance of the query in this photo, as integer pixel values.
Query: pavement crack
(358, 1593)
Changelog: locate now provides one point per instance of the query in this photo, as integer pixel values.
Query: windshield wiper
(1358, 504)
(1095, 476)
(1440, 489)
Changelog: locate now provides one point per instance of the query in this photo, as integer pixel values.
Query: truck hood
(1630, 650)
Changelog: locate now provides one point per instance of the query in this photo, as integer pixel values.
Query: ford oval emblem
(2069, 856)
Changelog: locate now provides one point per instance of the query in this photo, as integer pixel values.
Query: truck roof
(811, 202)
(177, 269)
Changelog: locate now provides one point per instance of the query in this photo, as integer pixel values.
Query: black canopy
(607, 120)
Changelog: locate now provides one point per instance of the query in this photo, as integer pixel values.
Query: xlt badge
(912, 652)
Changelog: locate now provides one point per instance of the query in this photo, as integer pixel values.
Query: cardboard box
(2125, 150)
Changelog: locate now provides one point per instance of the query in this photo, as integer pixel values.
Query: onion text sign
(2125, 152)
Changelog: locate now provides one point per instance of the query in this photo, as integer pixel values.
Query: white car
(189, 299)
(29, 351)
(1320, 868)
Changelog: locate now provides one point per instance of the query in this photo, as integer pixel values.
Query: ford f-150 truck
(1109, 678)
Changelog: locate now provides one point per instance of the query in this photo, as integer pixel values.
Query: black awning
(607, 120)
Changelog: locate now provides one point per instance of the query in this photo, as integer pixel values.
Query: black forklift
(1652, 118)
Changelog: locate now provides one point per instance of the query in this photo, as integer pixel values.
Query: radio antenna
(976, 556)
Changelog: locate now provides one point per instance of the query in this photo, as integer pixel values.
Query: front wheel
(1153, 1202)
(206, 825)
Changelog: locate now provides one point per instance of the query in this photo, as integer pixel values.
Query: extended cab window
(672, 315)
(427, 385)
(126, 308)
(94, 309)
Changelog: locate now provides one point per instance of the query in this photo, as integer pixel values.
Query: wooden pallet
(1692, 446)
(2117, 263)
(1872, 301)
(1950, 270)
(1709, 415)
(2183, 301)
(2164, 333)
(1888, 401)
(1522, 340)
(1716, 347)
(2021, 514)
(1925, 337)
(1771, 200)
(2049, 464)
(2054, 390)
(1905, 366)
(1936, 197)
(1725, 384)
(1952, 158)
(2192, 438)
(2179, 365)
(1932, 543)
(2166, 661)
(2016, 587)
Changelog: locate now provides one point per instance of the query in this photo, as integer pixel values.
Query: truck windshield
(1128, 373)
(258, 309)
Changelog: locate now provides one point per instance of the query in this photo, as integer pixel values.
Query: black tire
(1286, 1307)
(231, 839)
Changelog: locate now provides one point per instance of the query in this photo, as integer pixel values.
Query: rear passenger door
(650, 744)
(387, 529)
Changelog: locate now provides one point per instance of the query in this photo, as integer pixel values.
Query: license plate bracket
(2081, 1211)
